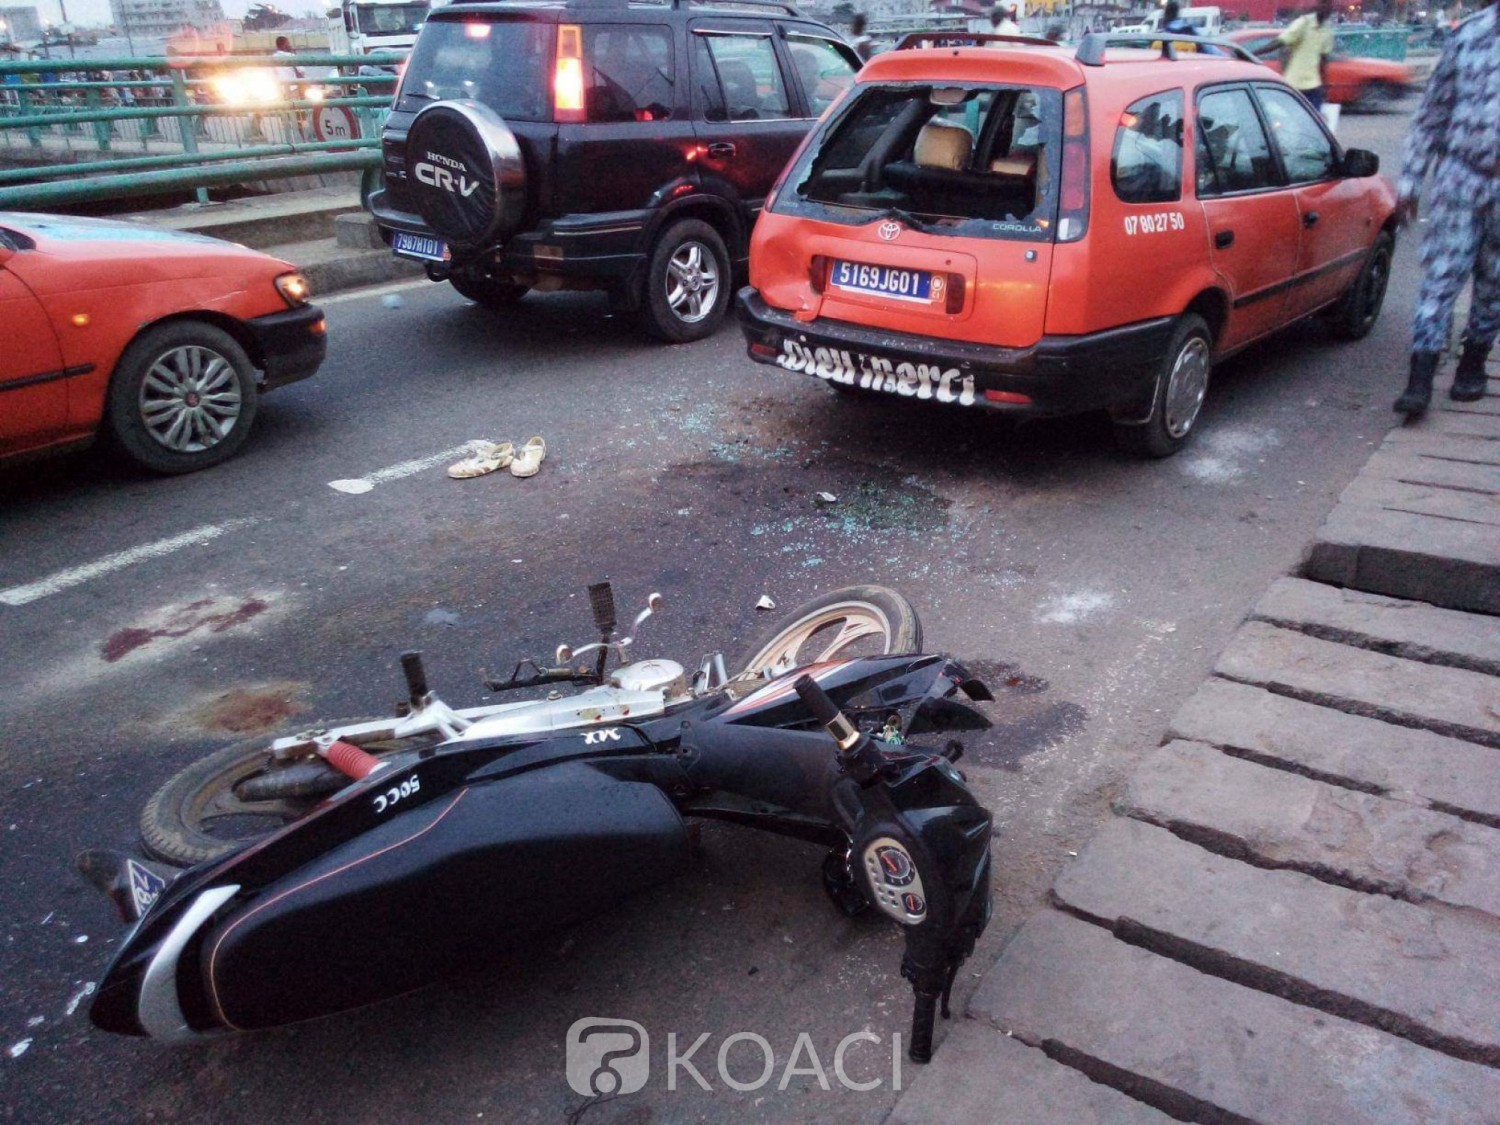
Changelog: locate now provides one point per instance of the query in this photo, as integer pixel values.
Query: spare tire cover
(464, 172)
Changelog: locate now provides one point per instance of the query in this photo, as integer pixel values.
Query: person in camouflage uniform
(1456, 135)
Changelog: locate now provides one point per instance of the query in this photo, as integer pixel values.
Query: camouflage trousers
(1462, 239)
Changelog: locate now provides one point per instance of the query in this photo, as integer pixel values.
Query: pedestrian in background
(1173, 23)
(864, 45)
(1456, 136)
(1309, 42)
(1004, 21)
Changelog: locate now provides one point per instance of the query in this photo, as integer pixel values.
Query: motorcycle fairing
(908, 686)
(439, 891)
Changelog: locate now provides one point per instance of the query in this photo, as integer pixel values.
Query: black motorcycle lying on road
(411, 842)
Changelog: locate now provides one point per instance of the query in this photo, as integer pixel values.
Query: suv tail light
(1073, 194)
(567, 80)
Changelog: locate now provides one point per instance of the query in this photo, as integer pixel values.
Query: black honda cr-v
(600, 144)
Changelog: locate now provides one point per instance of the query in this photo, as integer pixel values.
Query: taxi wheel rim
(190, 399)
(692, 282)
(1186, 387)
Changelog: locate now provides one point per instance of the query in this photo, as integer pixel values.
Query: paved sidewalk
(323, 231)
(1294, 914)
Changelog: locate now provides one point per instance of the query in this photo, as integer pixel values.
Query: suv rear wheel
(687, 283)
(1181, 385)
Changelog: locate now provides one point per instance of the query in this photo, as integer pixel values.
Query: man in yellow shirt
(1309, 42)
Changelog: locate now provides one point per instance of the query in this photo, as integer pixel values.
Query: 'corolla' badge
(889, 231)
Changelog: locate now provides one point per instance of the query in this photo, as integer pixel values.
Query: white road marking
(373, 291)
(405, 469)
(64, 579)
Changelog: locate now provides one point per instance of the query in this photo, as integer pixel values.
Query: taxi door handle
(1310, 219)
(1224, 240)
(721, 150)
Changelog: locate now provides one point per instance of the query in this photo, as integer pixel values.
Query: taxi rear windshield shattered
(982, 161)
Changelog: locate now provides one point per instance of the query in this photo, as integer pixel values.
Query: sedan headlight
(294, 288)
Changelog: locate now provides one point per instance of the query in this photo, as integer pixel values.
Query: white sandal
(486, 458)
(528, 461)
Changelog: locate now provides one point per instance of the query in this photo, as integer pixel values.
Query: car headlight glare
(294, 288)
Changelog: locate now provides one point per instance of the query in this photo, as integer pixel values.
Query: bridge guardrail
(81, 130)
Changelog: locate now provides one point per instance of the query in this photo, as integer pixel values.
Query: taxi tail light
(817, 272)
(567, 78)
(956, 288)
(1073, 194)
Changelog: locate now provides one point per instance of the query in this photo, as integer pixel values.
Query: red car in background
(1353, 81)
(158, 340)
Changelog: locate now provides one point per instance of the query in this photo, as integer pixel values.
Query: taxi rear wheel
(1181, 385)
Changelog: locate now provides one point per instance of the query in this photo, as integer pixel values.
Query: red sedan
(1352, 80)
(159, 341)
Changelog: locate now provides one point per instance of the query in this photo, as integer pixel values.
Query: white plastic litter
(827, 498)
(765, 602)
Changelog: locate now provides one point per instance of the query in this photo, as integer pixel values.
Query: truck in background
(1207, 22)
(359, 27)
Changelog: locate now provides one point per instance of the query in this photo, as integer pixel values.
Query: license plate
(884, 281)
(420, 246)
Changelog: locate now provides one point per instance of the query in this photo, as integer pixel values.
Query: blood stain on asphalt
(248, 710)
(203, 614)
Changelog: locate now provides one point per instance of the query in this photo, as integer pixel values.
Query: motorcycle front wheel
(202, 813)
(839, 625)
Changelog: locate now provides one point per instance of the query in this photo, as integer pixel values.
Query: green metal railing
(1373, 42)
(82, 130)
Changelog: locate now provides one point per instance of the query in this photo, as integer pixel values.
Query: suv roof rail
(1091, 50)
(778, 5)
(938, 37)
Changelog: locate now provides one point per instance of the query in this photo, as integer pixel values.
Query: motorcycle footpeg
(602, 602)
(416, 678)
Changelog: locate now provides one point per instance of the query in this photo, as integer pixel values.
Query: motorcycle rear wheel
(197, 816)
(841, 624)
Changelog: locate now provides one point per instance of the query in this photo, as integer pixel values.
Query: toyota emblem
(889, 230)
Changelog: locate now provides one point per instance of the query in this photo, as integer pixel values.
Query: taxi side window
(737, 78)
(630, 72)
(1306, 152)
(824, 70)
(1146, 166)
(1233, 153)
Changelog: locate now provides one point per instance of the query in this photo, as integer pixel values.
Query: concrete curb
(1293, 913)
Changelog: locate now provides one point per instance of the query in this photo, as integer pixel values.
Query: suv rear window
(496, 62)
(629, 72)
(979, 161)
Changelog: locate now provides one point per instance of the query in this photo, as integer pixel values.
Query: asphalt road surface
(1093, 591)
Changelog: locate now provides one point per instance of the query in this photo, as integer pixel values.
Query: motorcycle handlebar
(827, 712)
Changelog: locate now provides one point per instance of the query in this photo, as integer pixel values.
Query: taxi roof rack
(938, 37)
(1091, 50)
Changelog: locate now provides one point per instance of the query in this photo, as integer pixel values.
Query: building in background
(20, 25)
(162, 18)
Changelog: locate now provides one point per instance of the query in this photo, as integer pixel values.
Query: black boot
(1413, 401)
(1469, 379)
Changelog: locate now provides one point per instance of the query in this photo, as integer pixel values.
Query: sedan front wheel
(183, 398)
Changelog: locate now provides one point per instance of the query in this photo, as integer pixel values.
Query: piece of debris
(19, 1049)
(765, 602)
(826, 498)
(82, 994)
(393, 300)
